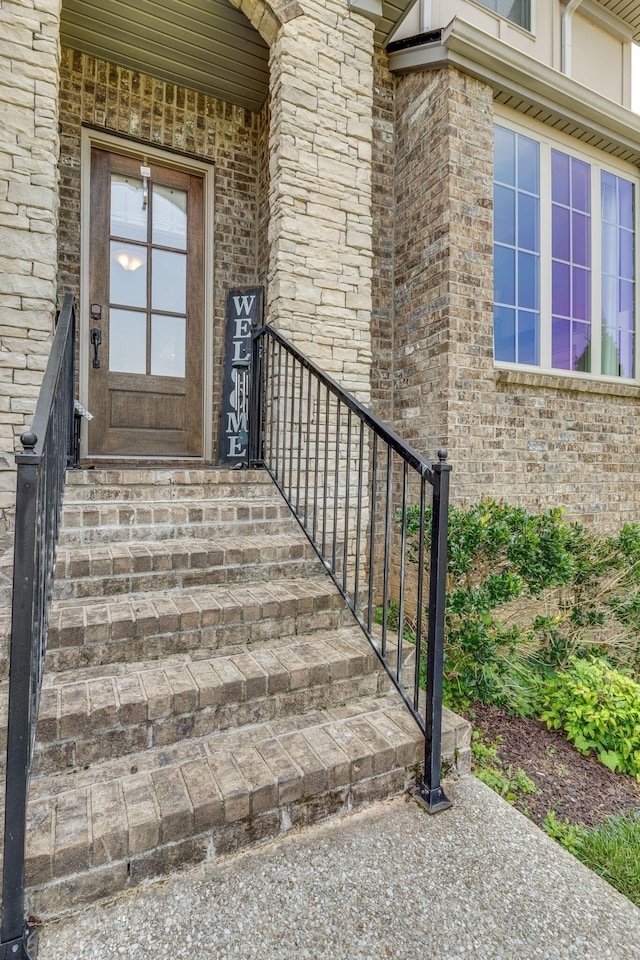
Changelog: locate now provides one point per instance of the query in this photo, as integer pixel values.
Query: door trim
(140, 151)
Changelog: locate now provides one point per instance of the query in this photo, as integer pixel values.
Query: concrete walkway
(478, 882)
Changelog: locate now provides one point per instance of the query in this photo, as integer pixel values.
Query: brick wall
(121, 101)
(527, 437)
(28, 211)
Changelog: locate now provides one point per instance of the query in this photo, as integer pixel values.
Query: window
(564, 255)
(518, 11)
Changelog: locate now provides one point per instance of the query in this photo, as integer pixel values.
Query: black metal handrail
(48, 451)
(350, 481)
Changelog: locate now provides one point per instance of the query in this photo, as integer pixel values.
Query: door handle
(96, 340)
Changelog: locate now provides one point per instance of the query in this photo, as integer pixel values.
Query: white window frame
(598, 161)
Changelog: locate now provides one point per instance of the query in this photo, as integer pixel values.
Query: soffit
(204, 45)
(393, 11)
(627, 10)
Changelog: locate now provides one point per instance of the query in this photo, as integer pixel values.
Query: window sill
(573, 384)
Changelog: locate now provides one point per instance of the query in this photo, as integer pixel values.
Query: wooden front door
(146, 295)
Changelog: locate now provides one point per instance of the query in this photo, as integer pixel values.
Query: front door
(146, 296)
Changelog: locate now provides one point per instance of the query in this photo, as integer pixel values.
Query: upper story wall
(598, 48)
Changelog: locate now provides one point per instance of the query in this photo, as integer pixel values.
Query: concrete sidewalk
(478, 882)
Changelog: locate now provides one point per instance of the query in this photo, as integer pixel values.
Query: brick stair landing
(204, 689)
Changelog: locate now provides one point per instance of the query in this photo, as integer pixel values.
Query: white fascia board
(510, 71)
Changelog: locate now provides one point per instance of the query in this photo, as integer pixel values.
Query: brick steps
(98, 571)
(205, 686)
(162, 810)
(85, 718)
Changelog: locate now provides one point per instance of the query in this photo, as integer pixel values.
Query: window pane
(168, 338)
(169, 220)
(127, 341)
(128, 215)
(528, 327)
(504, 334)
(504, 275)
(504, 156)
(608, 199)
(581, 305)
(560, 189)
(561, 229)
(169, 281)
(561, 343)
(128, 274)
(504, 215)
(626, 254)
(527, 280)
(518, 11)
(560, 289)
(528, 164)
(581, 237)
(618, 276)
(580, 347)
(625, 203)
(610, 249)
(626, 354)
(580, 185)
(528, 222)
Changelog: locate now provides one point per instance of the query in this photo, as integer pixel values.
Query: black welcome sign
(244, 312)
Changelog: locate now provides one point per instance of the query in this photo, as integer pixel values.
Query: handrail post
(430, 793)
(20, 703)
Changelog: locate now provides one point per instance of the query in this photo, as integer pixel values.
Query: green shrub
(599, 709)
(497, 553)
(502, 562)
(490, 769)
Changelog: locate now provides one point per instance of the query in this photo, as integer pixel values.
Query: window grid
(611, 289)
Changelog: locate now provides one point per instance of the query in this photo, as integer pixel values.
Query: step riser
(126, 641)
(113, 585)
(89, 884)
(85, 747)
(147, 530)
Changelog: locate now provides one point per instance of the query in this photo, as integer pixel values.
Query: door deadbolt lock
(96, 340)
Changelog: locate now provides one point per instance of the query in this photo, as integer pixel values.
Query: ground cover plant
(542, 647)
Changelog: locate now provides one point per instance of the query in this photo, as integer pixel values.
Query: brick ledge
(529, 378)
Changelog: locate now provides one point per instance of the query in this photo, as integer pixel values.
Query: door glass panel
(169, 221)
(128, 215)
(168, 336)
(128, 278)
(127, 341)
(169, 281)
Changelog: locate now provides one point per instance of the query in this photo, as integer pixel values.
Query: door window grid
(139, 282)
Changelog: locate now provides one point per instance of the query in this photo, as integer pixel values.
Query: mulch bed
(577, 787)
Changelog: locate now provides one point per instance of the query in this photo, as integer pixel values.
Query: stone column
(29, 58)
(320, 229)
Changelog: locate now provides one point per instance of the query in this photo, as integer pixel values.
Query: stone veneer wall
(527, 437)
(121, 101)
(28, 215)
(320, 229)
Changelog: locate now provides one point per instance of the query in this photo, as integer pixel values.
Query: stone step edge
(88, 720)
(164, 476)
(99, 840)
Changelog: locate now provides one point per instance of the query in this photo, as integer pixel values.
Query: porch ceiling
(205, 45)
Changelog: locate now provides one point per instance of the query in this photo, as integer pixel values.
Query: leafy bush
(497, 554)
(599, 709)
(505, 566)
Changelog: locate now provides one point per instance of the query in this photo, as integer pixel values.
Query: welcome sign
(244, 312)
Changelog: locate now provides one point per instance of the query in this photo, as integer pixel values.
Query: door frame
(143, 152)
